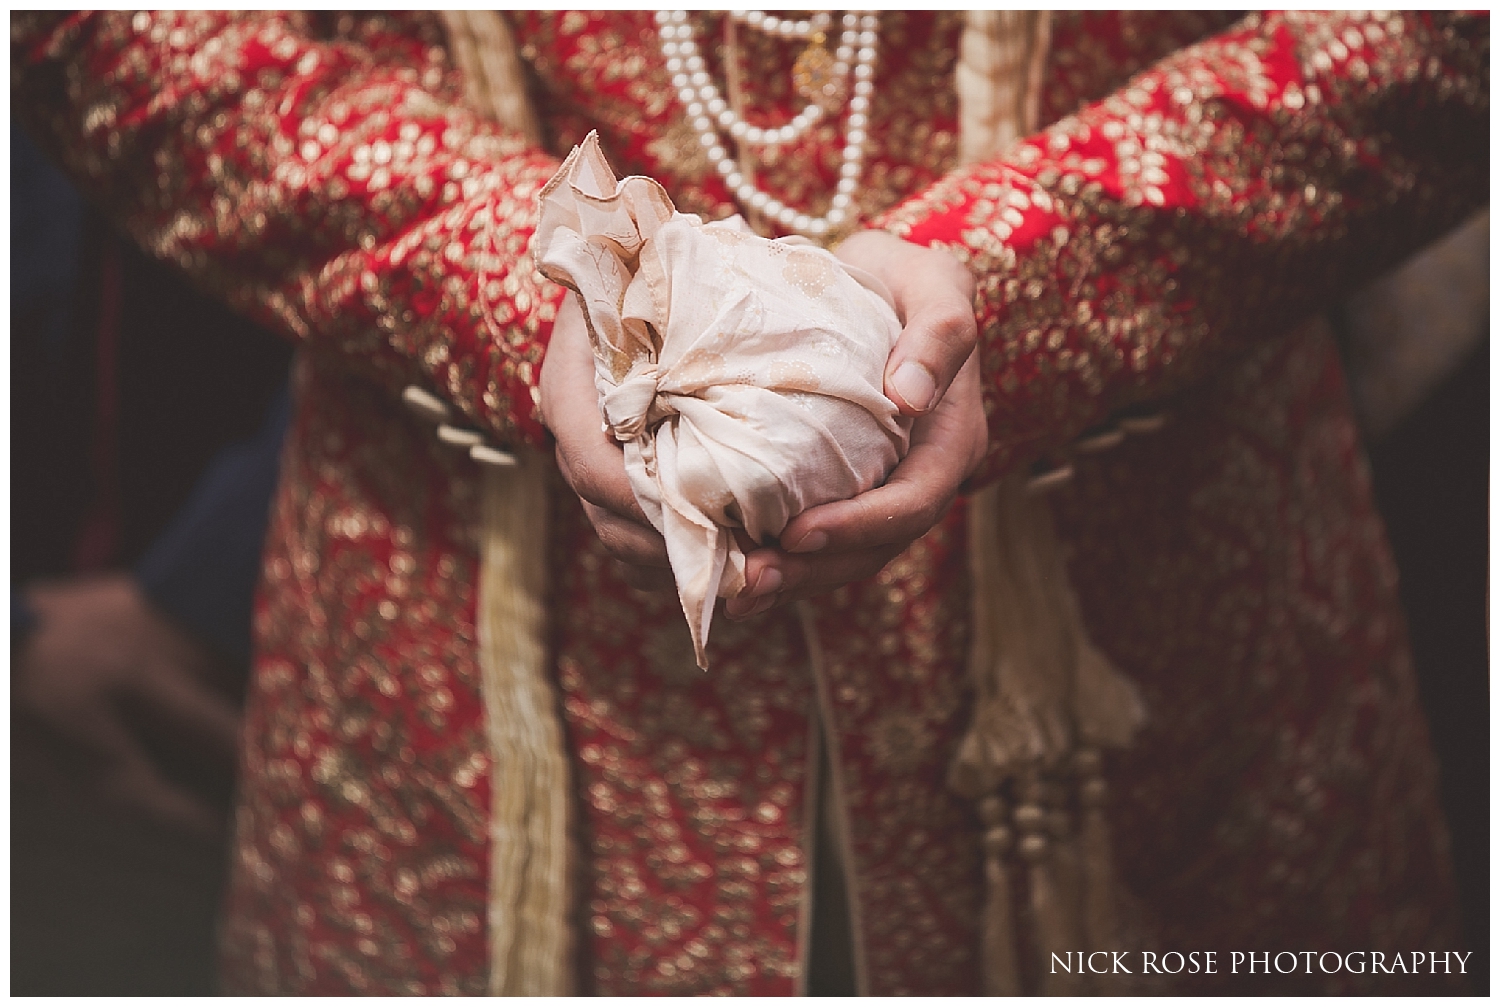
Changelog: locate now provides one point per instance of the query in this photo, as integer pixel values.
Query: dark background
(104, 902)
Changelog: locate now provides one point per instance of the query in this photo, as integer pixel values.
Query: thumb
(939, 336)
(934, 295)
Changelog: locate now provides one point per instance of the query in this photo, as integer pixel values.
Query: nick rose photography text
(1259, 962)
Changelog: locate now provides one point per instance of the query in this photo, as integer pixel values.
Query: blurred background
(145, 425)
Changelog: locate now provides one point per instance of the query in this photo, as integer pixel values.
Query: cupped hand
(98, 649)
(932, 374)
(590, 461)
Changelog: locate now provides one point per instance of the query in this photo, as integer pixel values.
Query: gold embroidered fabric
(743, 376)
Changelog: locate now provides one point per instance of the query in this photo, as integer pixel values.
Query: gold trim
(484, 50)
(529, 901)
(530, 788)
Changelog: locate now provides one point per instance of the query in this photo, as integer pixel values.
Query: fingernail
(811, 542)
(915, 385)
(769, 582)
(760, 605)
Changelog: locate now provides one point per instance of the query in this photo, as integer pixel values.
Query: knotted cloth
(743, 376)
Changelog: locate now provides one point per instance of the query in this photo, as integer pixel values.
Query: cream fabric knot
(744, 377)
(632, 405)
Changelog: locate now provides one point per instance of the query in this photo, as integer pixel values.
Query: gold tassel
(530, 940)
(529, 838)
(1041, 687)
(1052, 917)
(1067, 859)
(1100, 925)
(1002, 977)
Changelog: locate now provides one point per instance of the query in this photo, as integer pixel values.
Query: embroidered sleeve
(1219, 197)
(333, 190)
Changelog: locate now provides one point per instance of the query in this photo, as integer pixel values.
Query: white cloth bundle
(743, 376)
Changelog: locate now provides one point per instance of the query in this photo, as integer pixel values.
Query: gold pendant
(814, 77)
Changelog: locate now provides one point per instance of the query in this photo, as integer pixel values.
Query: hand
(933, 374)
(98, 649)
(590, 461)
(934, 295)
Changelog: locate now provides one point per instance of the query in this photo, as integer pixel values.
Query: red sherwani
(1196, 195)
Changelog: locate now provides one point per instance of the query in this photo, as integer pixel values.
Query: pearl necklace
(707, 111)
(785, 27)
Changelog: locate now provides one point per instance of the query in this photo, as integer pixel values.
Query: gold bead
(1032, 847)
(1087, 761)
(1092, 792)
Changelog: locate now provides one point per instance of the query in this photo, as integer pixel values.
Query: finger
(798, 577)
(137, 785)
(567, 352)
(763, 575)
(176, 693)
(595, 470)
(916, 496)
(945, 448)
(634, 543)
(93, 723)
(131, 780)
(935, 295)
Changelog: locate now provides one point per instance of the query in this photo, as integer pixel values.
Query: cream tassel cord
(530, 791)
(530, 940)
(1045, 698)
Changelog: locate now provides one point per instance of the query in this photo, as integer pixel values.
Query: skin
(932, 375)
(100, 647)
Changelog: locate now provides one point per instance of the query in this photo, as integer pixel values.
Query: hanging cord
(529, 839)
(1045, 698)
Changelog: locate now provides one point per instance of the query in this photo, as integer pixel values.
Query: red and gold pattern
(319, 172)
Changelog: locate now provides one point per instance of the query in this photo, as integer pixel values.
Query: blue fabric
(46, 225)
(203, 569)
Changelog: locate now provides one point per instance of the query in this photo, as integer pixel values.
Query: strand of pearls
(701, 96)
(785, 27)
(708, 112)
